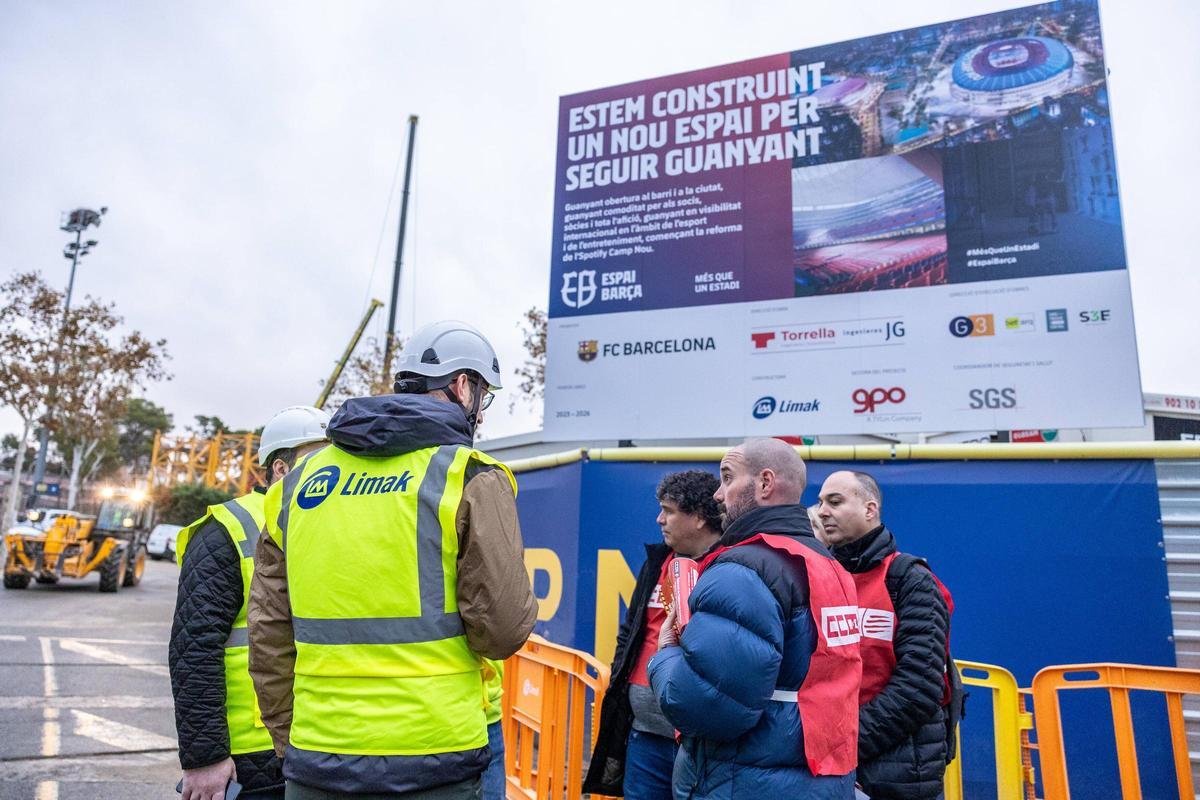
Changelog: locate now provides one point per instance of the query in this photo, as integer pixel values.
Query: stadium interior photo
(873, 223)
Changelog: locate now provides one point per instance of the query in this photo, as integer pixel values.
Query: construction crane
(323, 398)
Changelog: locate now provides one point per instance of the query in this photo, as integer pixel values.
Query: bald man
(911, 692)
(737, 688)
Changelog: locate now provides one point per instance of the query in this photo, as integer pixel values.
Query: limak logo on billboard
(766, 406)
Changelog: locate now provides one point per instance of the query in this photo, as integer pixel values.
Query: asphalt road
(85, 697)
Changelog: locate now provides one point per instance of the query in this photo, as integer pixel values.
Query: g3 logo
(318, 486)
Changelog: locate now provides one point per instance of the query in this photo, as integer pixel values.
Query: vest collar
(866, 553)
(790, 520)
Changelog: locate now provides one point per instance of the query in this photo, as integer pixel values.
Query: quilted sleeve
(208, 601)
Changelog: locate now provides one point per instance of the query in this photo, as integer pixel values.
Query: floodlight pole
(390, 345)
(78, 221)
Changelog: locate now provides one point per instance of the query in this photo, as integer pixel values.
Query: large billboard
(917, 231)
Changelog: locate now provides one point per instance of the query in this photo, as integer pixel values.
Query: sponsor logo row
(888, 400)
(1057, 321)
(853, 333)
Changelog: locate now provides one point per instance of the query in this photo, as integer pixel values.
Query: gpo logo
(579, 288)
(318, 486)
(763, 407)
(868, 400)
(839, 625)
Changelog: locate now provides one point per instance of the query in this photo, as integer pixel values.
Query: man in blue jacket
(754, 722)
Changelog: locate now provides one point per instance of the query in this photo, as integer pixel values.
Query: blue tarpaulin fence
(1050, 562)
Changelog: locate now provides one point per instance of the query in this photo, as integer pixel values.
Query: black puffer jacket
(209, 599)
(606, 773)
(902, 730)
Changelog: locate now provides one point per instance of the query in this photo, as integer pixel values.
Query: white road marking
(152, 642)
(33, 702)
(9, 638)
(102, 654)
(51, 731)
(118, 734)
(49, 682)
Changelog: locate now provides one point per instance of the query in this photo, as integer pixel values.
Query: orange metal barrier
(1118, 679)
(546, 713)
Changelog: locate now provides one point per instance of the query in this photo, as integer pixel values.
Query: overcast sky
(246, 153)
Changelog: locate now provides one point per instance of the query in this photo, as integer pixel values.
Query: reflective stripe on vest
(382, 664)
(827, 700)
(242, 518)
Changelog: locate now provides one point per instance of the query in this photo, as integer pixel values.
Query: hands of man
(667, 637)
(208, 783)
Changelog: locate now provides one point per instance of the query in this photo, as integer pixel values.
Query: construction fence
(1055, 554)
(552, 698)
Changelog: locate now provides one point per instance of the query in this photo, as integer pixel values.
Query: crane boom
(323, 398)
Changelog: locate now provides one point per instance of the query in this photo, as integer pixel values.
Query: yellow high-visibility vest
(493, 689)
(382, 663)
(242, 519)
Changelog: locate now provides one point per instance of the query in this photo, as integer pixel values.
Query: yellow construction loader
(112, 543)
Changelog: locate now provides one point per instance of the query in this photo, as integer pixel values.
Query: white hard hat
(292, 427)
(443, 348)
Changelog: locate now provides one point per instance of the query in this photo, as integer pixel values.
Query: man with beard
(764, 685)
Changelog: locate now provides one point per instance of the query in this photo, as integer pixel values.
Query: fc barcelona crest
(588, 350)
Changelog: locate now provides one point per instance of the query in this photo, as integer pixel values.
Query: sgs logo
(868, 400)
(974, 325)
(993, 398)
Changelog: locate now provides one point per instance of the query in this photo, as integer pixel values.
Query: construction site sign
(916, 231)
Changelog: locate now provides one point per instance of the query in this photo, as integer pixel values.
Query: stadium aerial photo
(943, 140)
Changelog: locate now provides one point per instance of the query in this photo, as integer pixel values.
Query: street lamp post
(76, 222)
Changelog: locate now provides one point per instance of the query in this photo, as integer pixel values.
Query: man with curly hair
(635, 749)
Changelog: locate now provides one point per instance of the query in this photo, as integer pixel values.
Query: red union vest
(828, 698)
(877, 621)
(655, 616)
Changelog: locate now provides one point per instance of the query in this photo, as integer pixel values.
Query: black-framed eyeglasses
(488, 397)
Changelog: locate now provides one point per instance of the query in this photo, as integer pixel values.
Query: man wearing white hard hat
(390, 580)
(221, 737)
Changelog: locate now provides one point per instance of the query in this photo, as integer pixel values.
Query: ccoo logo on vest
(324, 482)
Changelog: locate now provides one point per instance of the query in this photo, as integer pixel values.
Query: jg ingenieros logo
(868, 400)
(318, 486)
(579, 288)
(973, 325)
(766, 406)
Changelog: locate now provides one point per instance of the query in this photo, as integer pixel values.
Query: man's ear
(279, 468)
(766, 481)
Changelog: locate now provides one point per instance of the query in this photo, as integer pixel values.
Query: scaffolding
(228, 461)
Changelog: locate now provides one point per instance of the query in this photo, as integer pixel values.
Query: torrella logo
(318, 486)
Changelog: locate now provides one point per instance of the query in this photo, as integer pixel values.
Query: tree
(99, 372)
(30, 318)
(208, 427)
(184, 503)
(8, 451)
(533, 371)
(135, 430)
